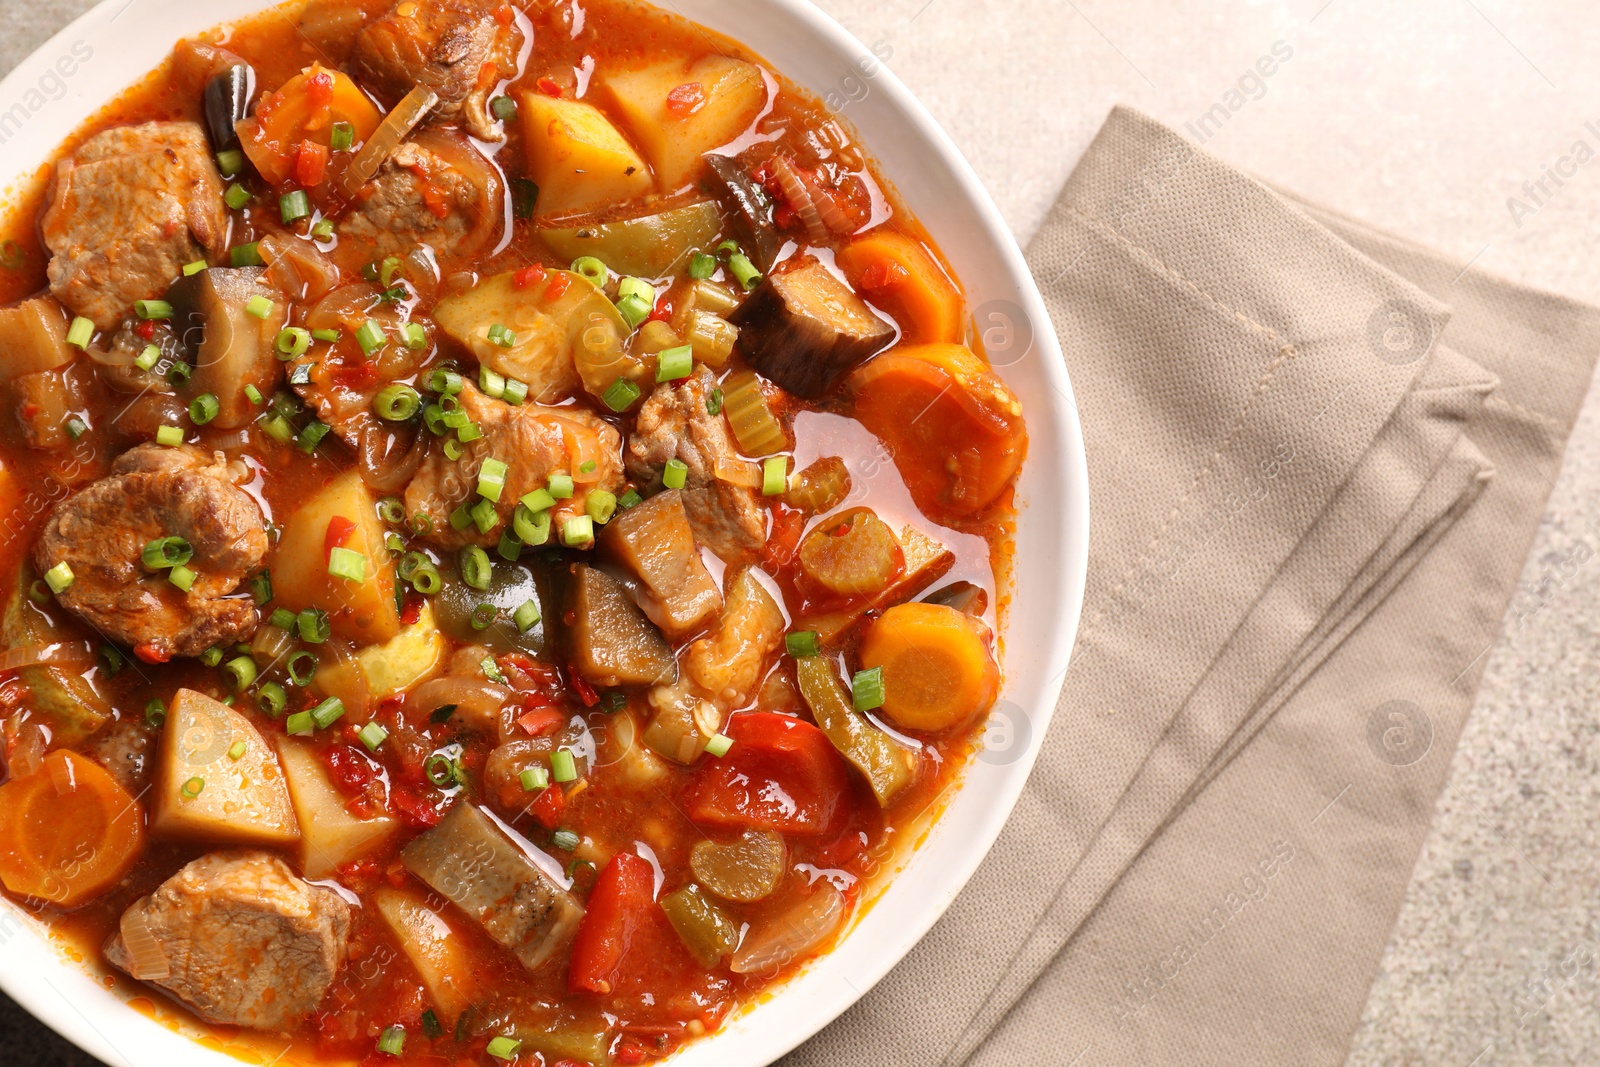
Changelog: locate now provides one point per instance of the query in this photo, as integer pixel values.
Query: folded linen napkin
(1317, 457)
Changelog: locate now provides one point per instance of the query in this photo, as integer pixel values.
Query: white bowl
(116, 43)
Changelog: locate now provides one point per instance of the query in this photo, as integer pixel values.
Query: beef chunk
(128, 210)
(445, 45)
(674, 424)
(419, 198)
(154, 492)
(239, 938)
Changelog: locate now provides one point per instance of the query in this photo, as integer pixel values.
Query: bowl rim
(815, 997)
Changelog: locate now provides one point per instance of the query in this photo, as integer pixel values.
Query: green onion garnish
(371, 337)
(600, 506)
(491, 670)
(561, 487)
(165, 552)
(252, 394)
(629, 499)
(277, 427)
(348, 564)
(155, 713)
(674, 363)
(718, 745)
(193, 787)
(741, 268)
(294, 206)
(526, 616)
(300, 724)
(490, 384)
(492, 479)
(675, 474)
(301, 666)
(397, 402)
(331, 336)
(271, 698)
(204, 408)
(577, 531)
(293, 341)
(803, 643)
(242, 670)
(324, 230)
(774, 475)
(621, 395)
(259, 306)
(191, 269)
(413, 336)
(867, 689)
(483, 616)
(80, 333)
(391, 510)
(152, 309)
(591, 268)
(503, 1048)
(636, 289)
(327, 713)
(563, 768)
(211, 656)
(446, 382)
(516, 391)
(59, 577)
(484, 515)
(634, 310)
(535, 778)
(182, 577)
(702, 266)
(311, 436)
(500, 335)
(247, 255)
(148, 358)
(372, 735)
(313, 626)
(532, 528)
(237, 196)
(282, 618)
(539, 500)
(565, 840)
(509, 548)
(342, 137)
(476, 570)
(230, 162)
(170, 436)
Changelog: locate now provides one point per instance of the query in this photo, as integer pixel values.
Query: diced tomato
(559, 284)
(787, 526)
(146, 330)
(548, 807)
(151, 653)
(581, 686)
(415, 812)
(528, 276)
(541, 721)
(412, 611)
(781, 774)
(620, 904)
(339, 531)
(319, 88)
(351, 772)
(630, 1051)
(549, 86)
(686, 99)
(310, 164)
(504, 16)
(663, 310)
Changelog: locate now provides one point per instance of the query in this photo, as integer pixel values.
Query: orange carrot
(68, 832)
(901, 276)
(954, 429)
(937, 669)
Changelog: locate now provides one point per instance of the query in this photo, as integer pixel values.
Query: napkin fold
(1317, 456)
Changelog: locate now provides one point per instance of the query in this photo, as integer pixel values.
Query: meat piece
(154, 492)
(534, 442)
(804, 329)
(129, 209)
(424, 197)
(458, 48)
(478, 868)
(675, 424)
(239, 938)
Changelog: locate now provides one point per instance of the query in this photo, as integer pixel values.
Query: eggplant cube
(804, 330)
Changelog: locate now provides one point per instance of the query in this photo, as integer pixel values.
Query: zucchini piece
(804, 329)
(75, 708)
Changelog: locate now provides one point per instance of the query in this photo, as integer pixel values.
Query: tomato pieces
(781, 774)
(311, 164)
(338, 535)
(620, 904)
(68, 832)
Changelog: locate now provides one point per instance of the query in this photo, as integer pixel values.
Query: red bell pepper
(781, 774)
(619, 906)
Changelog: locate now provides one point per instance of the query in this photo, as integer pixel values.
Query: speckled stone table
(1469, 124)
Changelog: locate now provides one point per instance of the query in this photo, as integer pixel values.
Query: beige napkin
(1317, 457)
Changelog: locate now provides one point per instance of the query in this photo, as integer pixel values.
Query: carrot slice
(68, 832)
(901, 276)
(937, 669)
(954, 429)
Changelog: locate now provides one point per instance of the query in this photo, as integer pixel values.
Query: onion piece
(797, 932)
(298, 268)
(147, 960)
(384, 467)
(390, 134)
(55, 655)
(477, 701)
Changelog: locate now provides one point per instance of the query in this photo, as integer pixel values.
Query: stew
(507, 529)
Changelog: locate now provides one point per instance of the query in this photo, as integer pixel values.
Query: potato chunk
(677, 114)
(33, 338)
(364, 611)
(436, 949)
(577, 158)
(330, 836)
(208, 787)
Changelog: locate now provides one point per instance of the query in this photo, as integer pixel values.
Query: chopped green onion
(182, 577)
(247, 255)
(504, 108)
(371, 337)
(277, 427)
(526, 616)
(484, 515)
(620, 395)
(76, 427)
(294, 206)
(461, 518)
(629, 499)
(397, 402)
(774, 475)
(391, 510)
(293, 341)
(491, 670)
(803, 643)
(80, 333)
(301, 666)
(313, 626)
(509, 548)
(311, 436)
(741, 268)
(577, 531)
(539, 500)
(600, 506)
(204, 408)
(237, 196)
(674, 363)
(561, 486)
(565, 840)
(148, 358)
(261, 587)
(259, 306)
(441, 714)
(242, 670)
(252, 394)
(191, 269)
(728, 248)
(503, 1048)
(430, 1025)
(535, 778)
(413, 336)
(391, 268)
(531, 527)
(179, 374)
(500, 335)
(155, 713)
(392, 1041)
(211, 656)
(443, 771)
(394, 543)
(271, 698)
(702, 266)
(675, 474)
(483, 616)
(282, 618)
(516, 391)
(634, 310)
(230, 162)
(492, 479)
(327, 713)
(348, 564)
(59, 577)
(152, 309)
(445, 381)
(613, 701)
(343, 137)
(867, 689)
(39, 593)
(300, 724)
(718, 745)
(490, 384)
(193, 787)
(636, 289)
(591, 268)
(563, 768)
(170, 436)
(165, 552)
(324, 230)
(476, 570)
(237, 750)
(114, 660)
(331, 336)
(372, 735)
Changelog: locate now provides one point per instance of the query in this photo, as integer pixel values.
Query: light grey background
(1426, 117)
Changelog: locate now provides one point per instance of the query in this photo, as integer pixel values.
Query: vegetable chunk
(655, 542)
(576, 156)
(68, 832)
(342, 516)
(435, 948)
(203, 791)
(330, 836)
(781, 774)
(613, 643)
(678, 113)
(33, 338)
(937, 669)
(901, 275)
(650, 246)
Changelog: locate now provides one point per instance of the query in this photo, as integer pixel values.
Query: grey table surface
(1437, 119)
